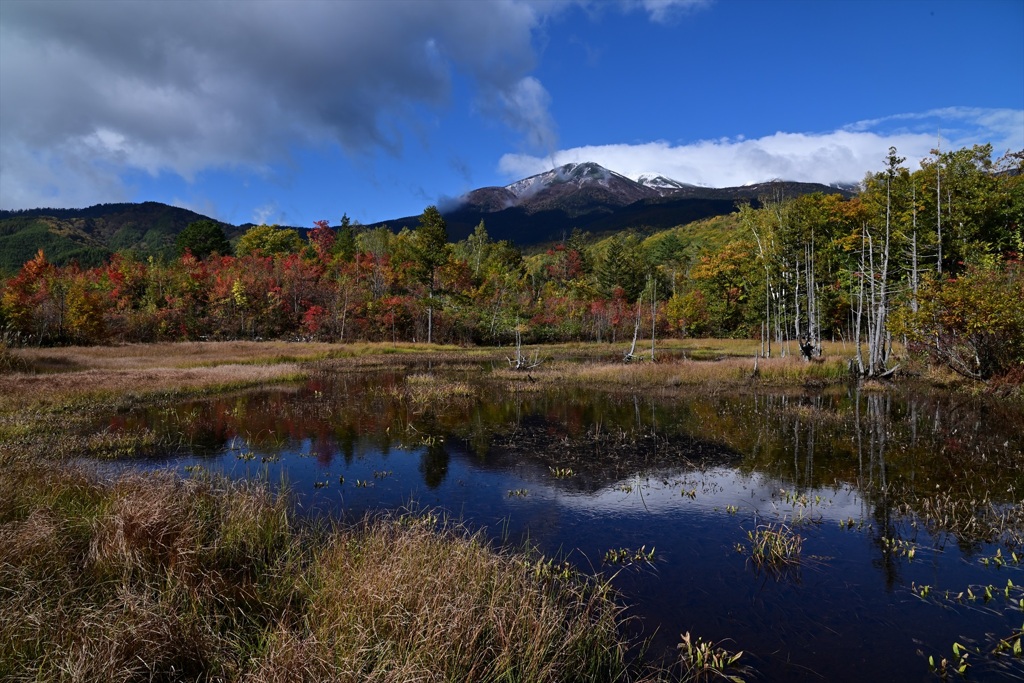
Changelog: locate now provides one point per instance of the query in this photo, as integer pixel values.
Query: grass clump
(152, 577)
(427, 388)
(404, 602)
(142, 577)
(702, 661)
(774, 548)
(670, 373)
(9, 362)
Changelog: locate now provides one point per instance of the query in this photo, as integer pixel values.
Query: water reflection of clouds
(684, 492)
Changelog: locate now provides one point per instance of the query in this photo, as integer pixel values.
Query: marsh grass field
(144, 577)
(162, 578)
(159, 578)
(132, 575)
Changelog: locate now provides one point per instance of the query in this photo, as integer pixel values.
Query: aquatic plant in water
(705, 661)
(627, 556)
(774, 547)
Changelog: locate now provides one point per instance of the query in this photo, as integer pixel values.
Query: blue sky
(289, 112)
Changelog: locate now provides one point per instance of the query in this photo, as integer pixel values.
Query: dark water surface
(890, 492)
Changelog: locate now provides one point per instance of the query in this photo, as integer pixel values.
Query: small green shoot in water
(548, 569)
(626, 556)
(958, 664)
(774, 547)
(899, 547)
(705, 661)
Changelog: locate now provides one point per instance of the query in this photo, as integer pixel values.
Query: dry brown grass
(150, 577)
(136, 578)
(393, 587)
(77, 373)
(730, 371)
(172, 354)
(430, 389)
(138, 381)
(69, 373)
(189, 354)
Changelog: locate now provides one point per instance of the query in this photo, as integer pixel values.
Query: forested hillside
(549, 211)
(930, 257)
(90, 236)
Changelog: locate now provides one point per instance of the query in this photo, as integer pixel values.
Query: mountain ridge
(530, 211)
(588, 196)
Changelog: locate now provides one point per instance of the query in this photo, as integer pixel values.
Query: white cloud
(844, 155)
(58, 177)
(89, 90)
(525, 108)
(92, 90)
(266, 214)
(665, 11)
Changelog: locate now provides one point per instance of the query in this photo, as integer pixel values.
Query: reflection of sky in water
(716, 490)
(847, 614)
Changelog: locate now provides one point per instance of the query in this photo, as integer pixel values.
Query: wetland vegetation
(246, 511)
(766, 505)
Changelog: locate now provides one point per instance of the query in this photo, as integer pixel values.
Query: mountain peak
(578, 174)
(589, 196)
(575, 187)
(661, 183)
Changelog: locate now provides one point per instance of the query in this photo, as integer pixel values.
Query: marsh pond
(897, 512)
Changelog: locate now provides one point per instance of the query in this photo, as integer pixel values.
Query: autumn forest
(927, 260)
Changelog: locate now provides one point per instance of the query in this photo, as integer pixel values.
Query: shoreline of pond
(55, 424)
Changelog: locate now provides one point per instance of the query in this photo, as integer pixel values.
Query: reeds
(424, 389)
(150, 576)
(400, 601)
(968, 517)
(774, 548)
(729, 371)
(11, 362)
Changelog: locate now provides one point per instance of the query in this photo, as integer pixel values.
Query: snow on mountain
(577, 174)
(660, 183)
(580, 188)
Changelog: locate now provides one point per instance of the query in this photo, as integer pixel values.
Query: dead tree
(631, 356)
(521, 362)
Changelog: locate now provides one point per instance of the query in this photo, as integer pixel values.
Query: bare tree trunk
(813, 321)
(430, 319)
(636, 332)
(938, 201)
(913, 246)
(521, 362)
(767, 340)
(654, 313)
(796, 304)
(860, 304)
(344, 314)
(882, 338)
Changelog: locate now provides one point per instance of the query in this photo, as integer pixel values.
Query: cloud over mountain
(837, 156)
(318, 105)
